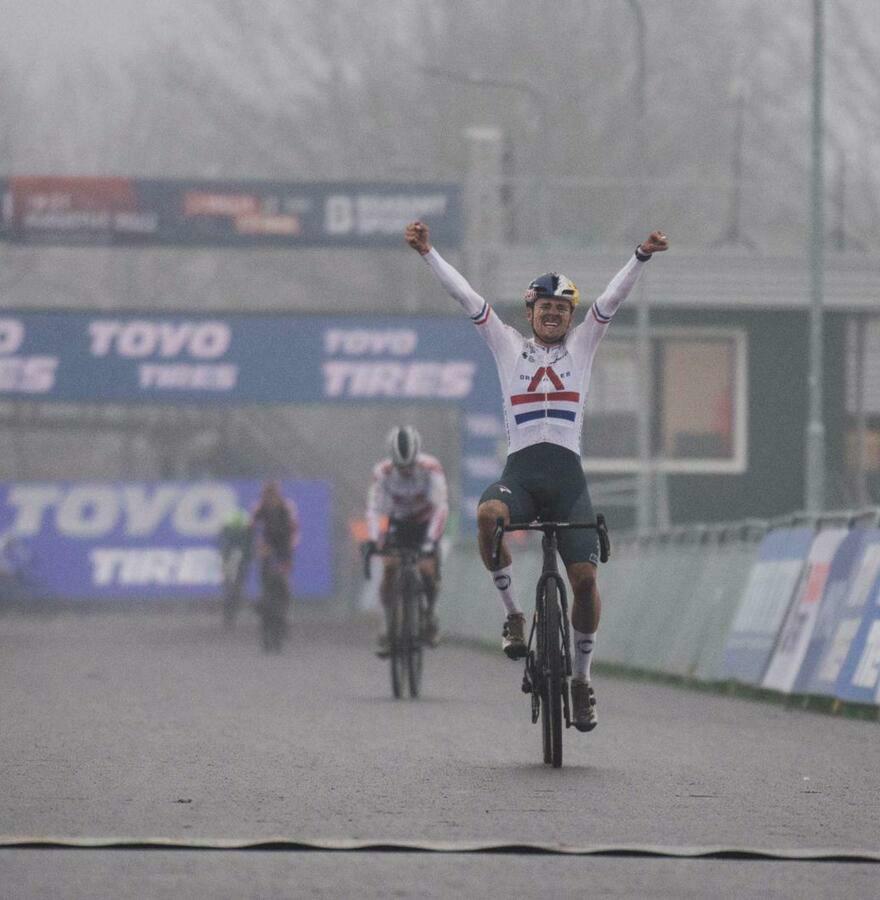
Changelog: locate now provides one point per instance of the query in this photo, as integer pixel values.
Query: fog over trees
(339, 89)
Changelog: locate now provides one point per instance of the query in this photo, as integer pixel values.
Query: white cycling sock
(502, 579)
(583, 653)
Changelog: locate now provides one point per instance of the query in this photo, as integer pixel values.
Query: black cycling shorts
(405, 533)
(546, 481)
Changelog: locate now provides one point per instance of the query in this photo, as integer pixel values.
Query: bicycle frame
(542, 676)
(405, 622)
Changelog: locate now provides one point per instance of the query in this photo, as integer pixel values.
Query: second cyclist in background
(410, 488)
(275, 525)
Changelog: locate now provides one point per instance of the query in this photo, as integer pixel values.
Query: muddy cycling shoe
(583, 703)
(383, 646)
(431, 631)
(513, 636)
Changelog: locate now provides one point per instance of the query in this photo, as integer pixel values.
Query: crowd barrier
(790, 606)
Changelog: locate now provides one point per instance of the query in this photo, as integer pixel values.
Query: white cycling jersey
(417, 495)
(544, 388)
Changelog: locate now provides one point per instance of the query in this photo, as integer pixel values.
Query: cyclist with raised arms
(544, 381)
(410, 488)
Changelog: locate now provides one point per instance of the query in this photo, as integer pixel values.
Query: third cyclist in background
(410, 488)
(544, 378)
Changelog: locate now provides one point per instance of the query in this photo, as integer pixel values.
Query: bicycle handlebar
(548, 528)
(399, 552)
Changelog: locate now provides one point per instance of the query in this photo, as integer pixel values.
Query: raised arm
(495, 332)
(418, 237)
(599, 316)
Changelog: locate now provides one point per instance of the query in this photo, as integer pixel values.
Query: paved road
(152, 725)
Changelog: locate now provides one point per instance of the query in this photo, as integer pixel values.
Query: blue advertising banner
(859, 678)
(797, 629)
(140, 212)
(143, 541)
(768, 594)
(205, 359)
(89, 357)
(75, 357)
(853, 570)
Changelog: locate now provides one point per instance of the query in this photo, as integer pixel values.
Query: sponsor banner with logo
(140, 212)
(794, 637)
(858, 680)
(854, 569)
(765, 601)
(145, 540)
(93, 357)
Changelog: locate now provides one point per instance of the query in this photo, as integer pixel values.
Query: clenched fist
(656, 243)
(417, 234)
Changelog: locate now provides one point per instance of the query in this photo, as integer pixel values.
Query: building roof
(721, 279)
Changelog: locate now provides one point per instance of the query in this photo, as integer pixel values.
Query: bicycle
(548, 665)
(407, 619)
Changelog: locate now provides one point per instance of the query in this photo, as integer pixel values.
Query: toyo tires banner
(145, 540)
(231, 360)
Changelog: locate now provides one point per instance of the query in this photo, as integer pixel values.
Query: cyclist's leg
(386, 585)
(488, 514)
(508, 501)
(586, 609)
(579, 550)
(430, 579)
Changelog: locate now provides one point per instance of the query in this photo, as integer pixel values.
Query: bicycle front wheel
(396, 642)
(412, 632)
(551, 670)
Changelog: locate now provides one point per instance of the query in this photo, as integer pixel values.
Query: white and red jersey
(544, 388)
(415, 495)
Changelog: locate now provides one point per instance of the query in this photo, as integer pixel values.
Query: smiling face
(550, 318)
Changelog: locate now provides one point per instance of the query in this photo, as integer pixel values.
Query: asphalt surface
(149, 725)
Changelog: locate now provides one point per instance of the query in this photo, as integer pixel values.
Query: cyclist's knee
(583, 579)
(488, 514)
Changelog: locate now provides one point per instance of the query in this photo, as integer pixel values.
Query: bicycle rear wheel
(412, 631)
(551, 694)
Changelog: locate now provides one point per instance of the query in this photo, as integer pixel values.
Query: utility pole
(645, 493)
(814, 480)
(538, 101)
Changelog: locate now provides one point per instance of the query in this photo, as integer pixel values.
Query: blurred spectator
(235, 544)
(275, 525)
(14, 560)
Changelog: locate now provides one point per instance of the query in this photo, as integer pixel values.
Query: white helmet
(404, 444)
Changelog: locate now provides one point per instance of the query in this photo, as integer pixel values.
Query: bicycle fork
(533, 676)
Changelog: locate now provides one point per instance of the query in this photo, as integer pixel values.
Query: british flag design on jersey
(545, 398)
